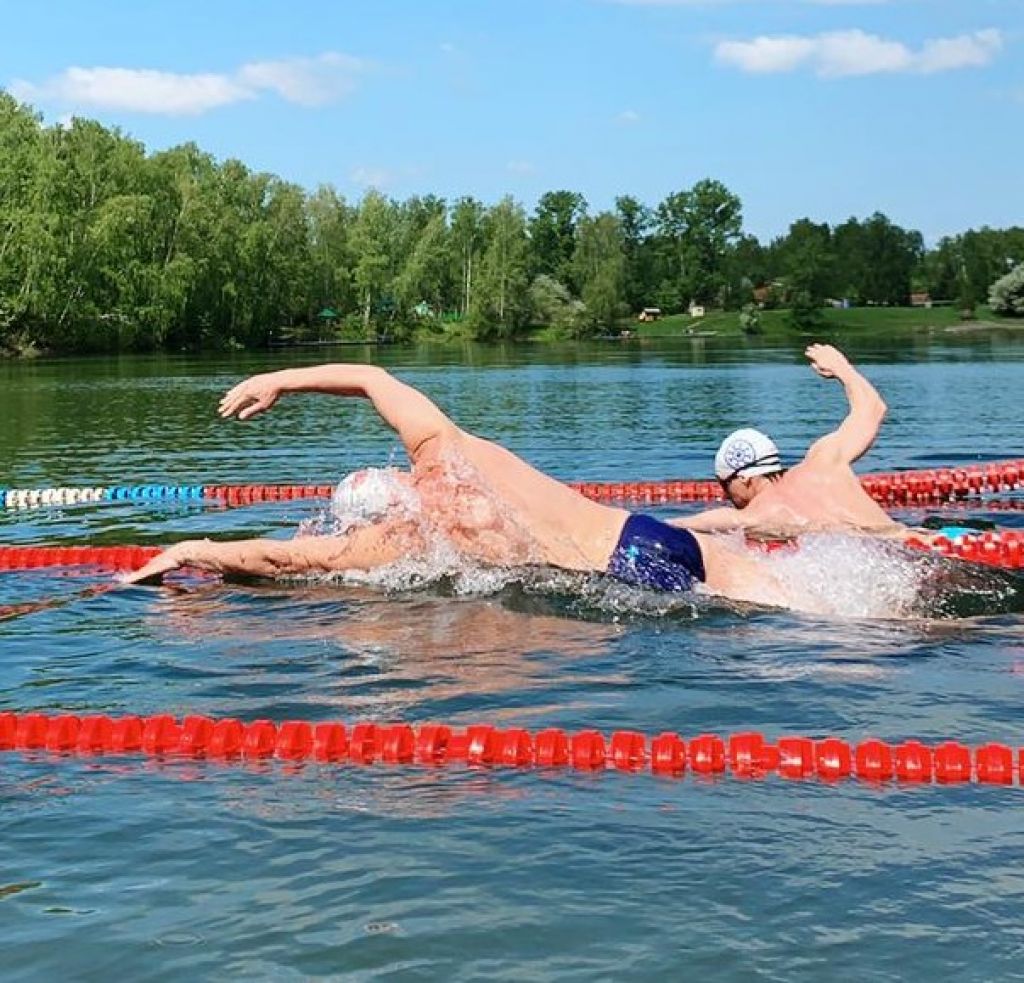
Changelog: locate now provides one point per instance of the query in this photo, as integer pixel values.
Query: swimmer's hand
(172, 558)
(254, 395)
(828, 362)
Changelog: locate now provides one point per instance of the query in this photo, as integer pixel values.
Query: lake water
(152, 870)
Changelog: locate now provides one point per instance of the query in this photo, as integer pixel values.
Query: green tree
(599, 264)
(373, 243)
(635, 223)
(553, 233)
(329, 220)
(499, 306)
(423, 277)
(746, 267)
(807, 262)
(750, 319)
(694, 232)
(465, 243)
(552, 306)
(1007, 293)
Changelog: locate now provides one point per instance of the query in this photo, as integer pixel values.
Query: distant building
(921, 299)
(696, 310)
(423, 309)
(649, 314)
(768, 294)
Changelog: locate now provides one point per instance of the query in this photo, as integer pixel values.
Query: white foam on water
(849, 576)
(376, 495)
(362, 498)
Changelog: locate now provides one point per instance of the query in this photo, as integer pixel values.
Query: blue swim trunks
(651, 553)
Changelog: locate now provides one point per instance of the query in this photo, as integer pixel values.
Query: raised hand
(254, 395)
(827, 361)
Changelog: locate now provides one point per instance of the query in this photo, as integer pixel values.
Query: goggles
(757, 462)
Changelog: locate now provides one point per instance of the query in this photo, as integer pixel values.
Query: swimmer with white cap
(490, 504)
(821, 493)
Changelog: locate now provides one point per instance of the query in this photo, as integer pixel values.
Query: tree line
(105, 247)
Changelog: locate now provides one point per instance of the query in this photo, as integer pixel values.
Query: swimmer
(494, 507)
(821, 493)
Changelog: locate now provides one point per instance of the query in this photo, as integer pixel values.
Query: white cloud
(306, 81)
(765, 54)
(371, 177)
(628, 117)
(135, 90)
(845, 53)
(965, 51)
(521, 167)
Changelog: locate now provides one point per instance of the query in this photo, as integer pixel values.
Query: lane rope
(117, 558)
(1003, 548)
(743, 755)
(888, 488)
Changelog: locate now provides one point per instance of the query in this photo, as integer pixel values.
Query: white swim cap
(368, 495)
(746, 453)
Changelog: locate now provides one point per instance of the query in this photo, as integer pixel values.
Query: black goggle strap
(757, 462)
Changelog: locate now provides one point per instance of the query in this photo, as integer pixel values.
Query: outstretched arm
(366, 548)
(412, 415)
(241, 558)
(867, 409)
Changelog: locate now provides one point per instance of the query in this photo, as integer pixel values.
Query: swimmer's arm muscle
(858, 431)
(244, 558)
(714, 520)
(406, 410)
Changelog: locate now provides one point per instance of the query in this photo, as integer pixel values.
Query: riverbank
(851, 322)
(775, 326)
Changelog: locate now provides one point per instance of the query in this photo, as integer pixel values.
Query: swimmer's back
(577, 533)
(819, 495)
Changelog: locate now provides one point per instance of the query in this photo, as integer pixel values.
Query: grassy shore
(776, 326)
(859, 321)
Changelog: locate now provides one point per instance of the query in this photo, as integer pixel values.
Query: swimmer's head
(365, 496)
(746, 463)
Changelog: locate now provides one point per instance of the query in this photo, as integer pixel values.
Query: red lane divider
(945, 484)
(743, 755)
(106, 557)
(1003, 548)
(889, 488)
(250, 494)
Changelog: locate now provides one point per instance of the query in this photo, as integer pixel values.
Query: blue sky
(823, 108)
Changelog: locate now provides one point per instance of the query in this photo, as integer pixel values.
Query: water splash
(830, 575)
(363, 498)
(851, 576)
(378, 495)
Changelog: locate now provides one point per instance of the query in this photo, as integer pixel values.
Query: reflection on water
(275, 871)
(391, 653)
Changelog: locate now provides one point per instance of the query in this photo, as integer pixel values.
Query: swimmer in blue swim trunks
(651, 553)
(491, 505)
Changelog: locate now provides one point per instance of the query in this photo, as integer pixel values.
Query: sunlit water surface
(167, 869)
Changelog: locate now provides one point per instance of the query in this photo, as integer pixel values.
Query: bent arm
(858, 431)
(406, 410)
(715, 520)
